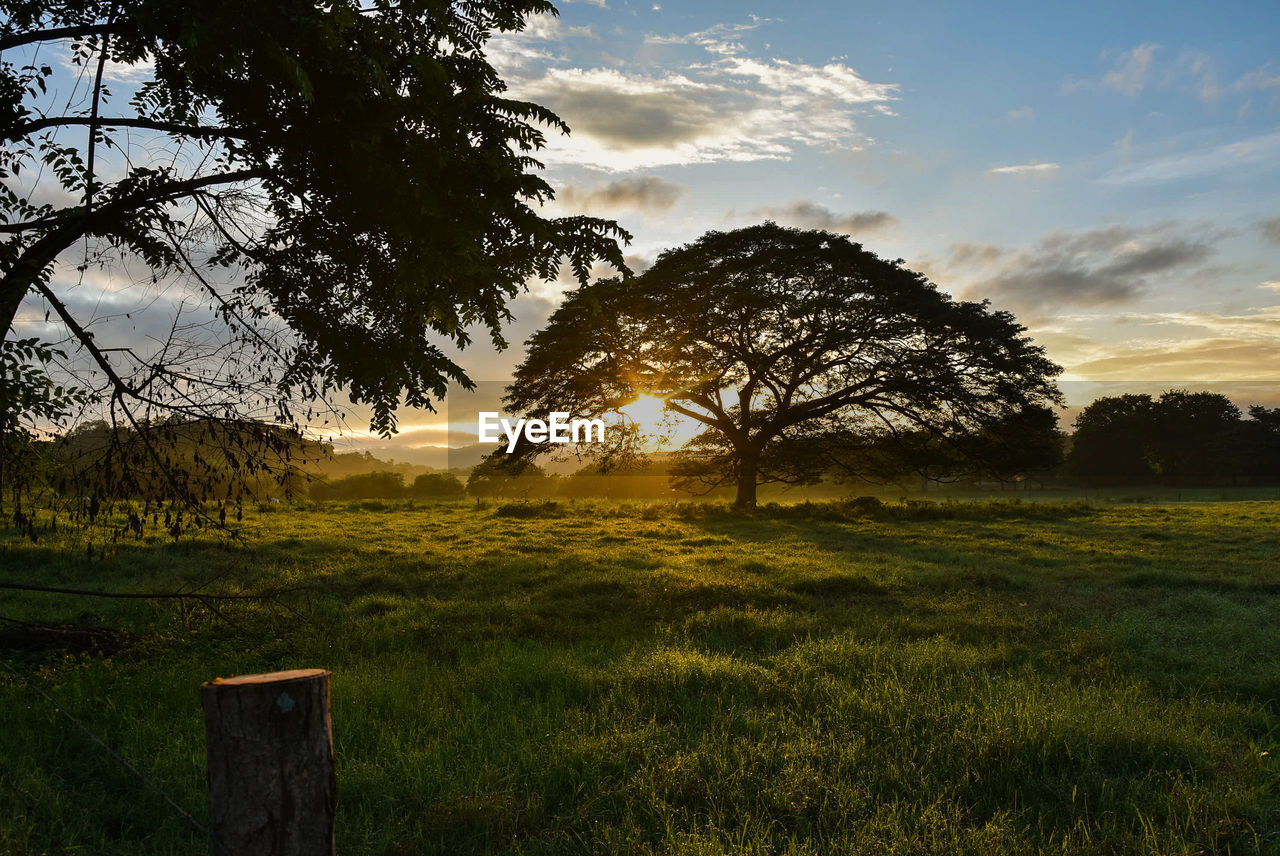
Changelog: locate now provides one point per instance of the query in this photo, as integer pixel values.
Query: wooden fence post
(272, 789)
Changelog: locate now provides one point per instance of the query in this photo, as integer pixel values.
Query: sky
(1110, 176)
(1108, 172)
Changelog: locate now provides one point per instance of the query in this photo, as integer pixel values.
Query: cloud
(1033, 168)
(1272, 285)
(975, 254)
(1020, 114)
(726, 105)
(642, 193)
(1261, 323)
(1264, 79)
(1129, 75)
(805, 214)
(1185, 347)
(1124, 146)
(834, 80)
(529, 46)
(718, 39)
(1217, 359)
(551, 293)
(1270, 229)
(1105, 267)
(620, 111)
(1205, 78)
(119, 72)
(1198, 164)
(551, 28)
(1192, 72)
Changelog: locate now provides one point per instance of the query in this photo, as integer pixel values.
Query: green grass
(611, 678)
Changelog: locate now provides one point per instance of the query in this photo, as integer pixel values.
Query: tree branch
(130, 122)
(69, 225)
(695, 415)
(17, 40)
(93, 124)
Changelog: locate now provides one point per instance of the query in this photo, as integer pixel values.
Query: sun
(647, 411)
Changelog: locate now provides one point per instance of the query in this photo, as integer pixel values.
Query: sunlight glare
(647, 411)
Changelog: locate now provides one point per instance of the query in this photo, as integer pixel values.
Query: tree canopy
(343, 185)
(1180, 437)
(791, 348)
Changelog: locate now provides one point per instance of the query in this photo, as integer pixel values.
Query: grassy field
(607, 678)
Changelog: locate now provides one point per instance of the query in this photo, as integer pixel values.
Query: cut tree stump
(272, 789)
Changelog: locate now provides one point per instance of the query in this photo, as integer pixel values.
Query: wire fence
(138, 774)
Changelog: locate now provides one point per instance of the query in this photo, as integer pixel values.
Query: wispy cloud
(119, 72)
(1129, 74)
(641, 193)
(806, 214)
(1213, 359)
(533, 44)
(727, 105)
(1033, 168)
(1105, 267)
(1193, 344)
(1197, 164)
(1262, 80)
(1192, 71)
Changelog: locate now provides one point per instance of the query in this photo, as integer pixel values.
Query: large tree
(785, 344)
(343, 184)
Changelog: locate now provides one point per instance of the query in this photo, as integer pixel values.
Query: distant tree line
(1182, 437)
(163, 460)
(95, 464)
(388, 485)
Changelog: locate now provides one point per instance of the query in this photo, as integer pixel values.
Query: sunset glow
(647, 411)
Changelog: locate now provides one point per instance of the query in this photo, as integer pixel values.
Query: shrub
(379, 485)
(437, 486)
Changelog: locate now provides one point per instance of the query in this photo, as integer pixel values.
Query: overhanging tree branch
(69, 225)
(17, 40)
(394, 204)
(178, 128)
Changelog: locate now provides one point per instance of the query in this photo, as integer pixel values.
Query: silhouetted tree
(1261, 441)
(353, 169)
(776, 340)
(1112, 440)
(1196, 436)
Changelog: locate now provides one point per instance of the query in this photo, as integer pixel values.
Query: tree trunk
(748, 469)
(271, 782)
